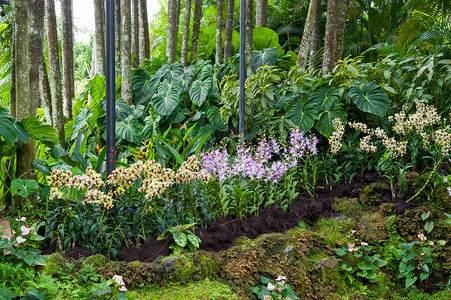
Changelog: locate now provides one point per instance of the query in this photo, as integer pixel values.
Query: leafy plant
(184, 238)
(274, 289)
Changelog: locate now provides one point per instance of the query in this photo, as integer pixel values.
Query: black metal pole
(242, 68)
(110, 89)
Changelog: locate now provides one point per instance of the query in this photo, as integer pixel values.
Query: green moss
(97, 260)
(335, 230)
(55, 264)
(371, 195)
(347, 206)
(205, 289)
(181, 270)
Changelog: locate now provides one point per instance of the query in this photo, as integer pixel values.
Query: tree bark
(135, 32)
(249, 25)
(185, 37)
(55, 73)
(68, 55)
(315, 44)
(196, 28)
(219, 33)
(307, 36)
(173, 29)
(12, 89)
(342, 8)
(126, 86)
(118, 32)
(261, 13)
(45, 91)
(144, 42)
(229, 30)
(99, 36)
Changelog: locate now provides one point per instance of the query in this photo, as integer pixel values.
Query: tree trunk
(118, 32)
(55, 73)
(219, 33)
(229, 30)
(249, 26)
(144, 43)
(333, 41)
(12, 89)
(173, 29)
(196, 28)
(99, 36)
(315, 44)
(261, 14)
(307, 36)
(45, 91)
(126, 86)
(185, 38)
(68, 55)
(135, 32)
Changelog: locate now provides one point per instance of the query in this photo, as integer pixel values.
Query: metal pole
(110, 89)
(242, 68)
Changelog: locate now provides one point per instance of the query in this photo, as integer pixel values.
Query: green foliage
(275, 289)
(185, 239)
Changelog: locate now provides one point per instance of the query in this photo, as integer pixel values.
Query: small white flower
(449, 191)
(20, 219)
(20, 240)
(123, 288)
(281, 277)
(25, 230)
(364, 244)
(445, 179)
(118, 279)
(422, 237)
(271, 287)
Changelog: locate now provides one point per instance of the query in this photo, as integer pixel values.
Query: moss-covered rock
(178, 268)
(371, 195)
(347, 206)
(372, 226)
(97, 260)
(55, 263)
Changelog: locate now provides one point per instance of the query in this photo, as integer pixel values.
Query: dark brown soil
(220, 234)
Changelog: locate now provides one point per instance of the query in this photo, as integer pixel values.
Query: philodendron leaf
(130, 129)
(24, 187)
(370, 99)
(302, 115)
(410, 281)
(325, 122)
(39, 130)
(324, 98)
(7, 130)
(214, 117)
(199, 91)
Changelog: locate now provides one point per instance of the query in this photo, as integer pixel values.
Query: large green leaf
(263, 57)
(325, 122)
(97, 87)
(287, 99)
(7, 130)
(302, 115)
(123, 110)
(80, 121)
(165, 103)
(129, 129)
(199, 91)
(263, 37)
(214, 117)
(370, 99)
(24, 187)
(324, 98)
(39, 130)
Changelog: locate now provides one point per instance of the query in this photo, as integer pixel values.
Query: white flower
(352, 248)
(271, 287)
(20, 240)
(281, 277)
(25, 230)
(123, 288)
(445, 179)
(422, 237)
(20, 219)
(118, 279)
(364, 244)
(449, 191)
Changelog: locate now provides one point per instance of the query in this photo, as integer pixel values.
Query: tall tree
(332, 39)
(219, 33)
(249, 40)
(135, 32)
(126, 82)
(229, 30)
(342, 7)
(144, 42)
(67, 45)
(196, 28)
(308, 35)
(118, 31)
(185, 36)
(55, 73)
(99, 36)
(45, 91)
(12, 90)
(315, 43)
(173, 29)
(261, 13)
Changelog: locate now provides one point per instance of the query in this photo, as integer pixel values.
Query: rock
(169, 264)
(97, 260)
(288, 252)
(371, 195)
(55, 263)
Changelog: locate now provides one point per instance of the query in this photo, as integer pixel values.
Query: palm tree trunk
(45, 91)
(172, 31)
(12, 89)
(144, 43)
(135, 32)
(249, 40)
(219, 33)
(185, 37)
(229, 30)
(261, 13)
(342, 7)
(126, 87)
(99, 36)
(55, 73)
(118, 33)
(315, 44)
(307, 36)
(68, 55)
(196, 28)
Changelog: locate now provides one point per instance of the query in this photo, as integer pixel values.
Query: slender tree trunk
(261, 14)
(99, 36)
(68, 55)
(126, 87)
(307, 36)
(173, 29)
(219, 33)
(185, 37)
(249, 40)
(196, 28)
(45, 91)
(144, 43)
(135, 32)
(12, 89)
(229, 30)
(331, 37)
(315, 44)
(118, 33)
(342, 7)
(55, 73)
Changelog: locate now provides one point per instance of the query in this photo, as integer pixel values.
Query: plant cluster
(277, 289)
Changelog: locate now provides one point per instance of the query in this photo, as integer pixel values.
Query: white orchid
(118, 279)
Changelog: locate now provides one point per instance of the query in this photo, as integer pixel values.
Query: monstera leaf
(325, 123)
(199, 91)
(302, 115)
(370, 99)
(324, 98)
(263, 57)
(129, 130)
